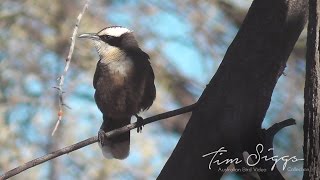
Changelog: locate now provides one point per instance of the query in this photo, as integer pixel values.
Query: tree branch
(68, 60)
(233, 106)
(94, 139)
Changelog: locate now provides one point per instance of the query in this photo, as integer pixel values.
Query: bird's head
(112, 37)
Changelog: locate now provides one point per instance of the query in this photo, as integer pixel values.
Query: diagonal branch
(94, 139)
(68, 60)
(235, 102)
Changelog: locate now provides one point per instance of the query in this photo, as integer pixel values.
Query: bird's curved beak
(92, 36)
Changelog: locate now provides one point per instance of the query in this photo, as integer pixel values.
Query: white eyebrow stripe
(114, 31)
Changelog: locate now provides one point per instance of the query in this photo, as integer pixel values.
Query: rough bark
(233, 105)
(311, 95)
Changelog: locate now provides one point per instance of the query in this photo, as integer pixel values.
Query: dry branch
(94, 139)
(68, 60)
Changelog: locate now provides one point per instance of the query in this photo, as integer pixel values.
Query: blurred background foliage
(186, 40)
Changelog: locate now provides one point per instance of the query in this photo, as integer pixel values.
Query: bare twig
(94, 139)
(274, 129)
(68, 60)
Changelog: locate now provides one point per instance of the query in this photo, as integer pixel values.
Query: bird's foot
(101, 137)
(140, 123)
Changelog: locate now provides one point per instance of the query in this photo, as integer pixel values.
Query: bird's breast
(122, 67)
(120, 71)
(118, 65)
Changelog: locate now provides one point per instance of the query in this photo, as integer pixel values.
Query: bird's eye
(105, 37)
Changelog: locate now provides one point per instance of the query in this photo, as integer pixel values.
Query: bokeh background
(186, 40)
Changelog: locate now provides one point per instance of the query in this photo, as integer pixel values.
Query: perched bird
(124, 83)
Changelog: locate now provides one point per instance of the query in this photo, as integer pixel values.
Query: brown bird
(124, 83)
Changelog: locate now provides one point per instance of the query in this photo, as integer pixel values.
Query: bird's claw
(101, 137)
(140, 123)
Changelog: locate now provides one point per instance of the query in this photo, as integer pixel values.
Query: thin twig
(274, 129)
(94, 139)
(68, 60)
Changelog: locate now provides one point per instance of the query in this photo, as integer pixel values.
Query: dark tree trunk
(311, 95)
(232, 107)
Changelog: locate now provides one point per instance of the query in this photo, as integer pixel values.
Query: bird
(124, 85)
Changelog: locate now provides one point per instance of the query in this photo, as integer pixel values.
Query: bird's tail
(116, 147)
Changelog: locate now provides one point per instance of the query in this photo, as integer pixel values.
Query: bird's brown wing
(141, 60)
(149, 88)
